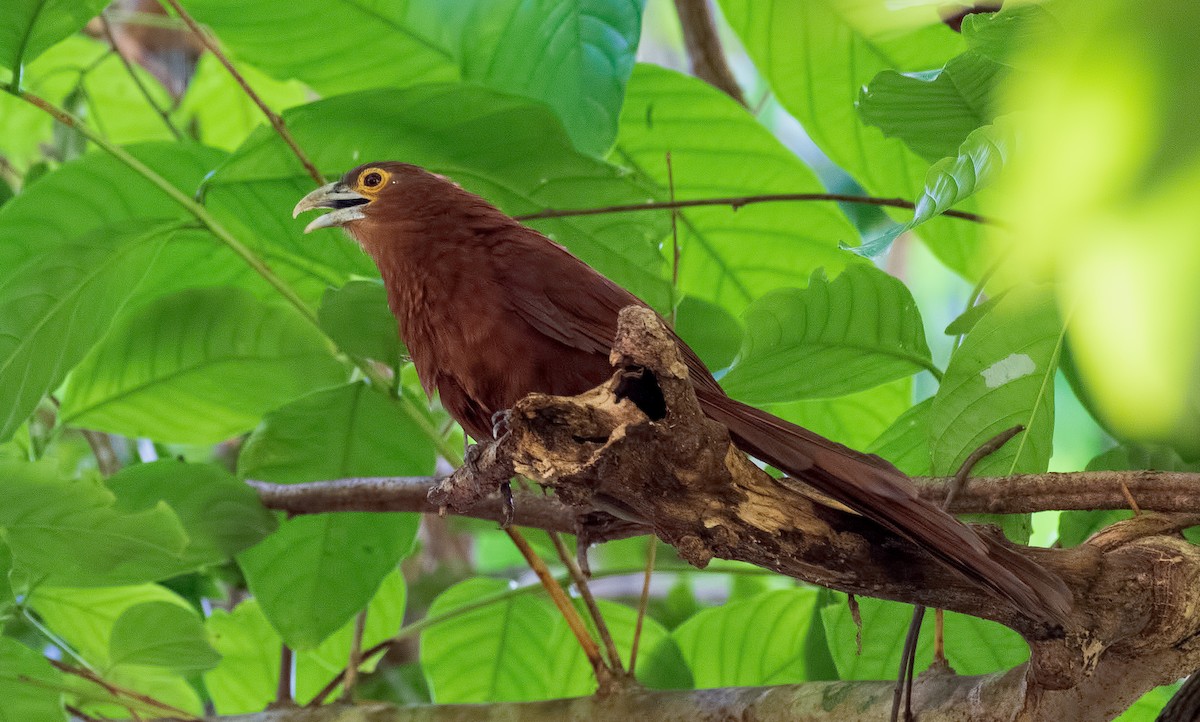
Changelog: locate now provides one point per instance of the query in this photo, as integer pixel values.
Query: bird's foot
(500, 423)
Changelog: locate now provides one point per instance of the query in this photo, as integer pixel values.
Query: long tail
(880, 492)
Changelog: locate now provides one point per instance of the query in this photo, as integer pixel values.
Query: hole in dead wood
(640, 385)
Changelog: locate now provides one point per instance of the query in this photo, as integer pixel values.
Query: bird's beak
(345, 202)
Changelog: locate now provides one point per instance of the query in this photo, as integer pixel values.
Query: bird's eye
(372, 180)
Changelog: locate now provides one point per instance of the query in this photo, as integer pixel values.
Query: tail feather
(882, 493)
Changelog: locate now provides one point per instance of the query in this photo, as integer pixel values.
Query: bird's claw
(500, 423)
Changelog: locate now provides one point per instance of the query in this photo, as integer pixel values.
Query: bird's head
(375, 192)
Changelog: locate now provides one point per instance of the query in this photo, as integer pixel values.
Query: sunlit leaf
(713, 641)
(56, 304)
(1001, 376)
(247, 679)
(855, 419)
(28, 685)
(718, 149)
(832, 338)
(906, 442)
(315, 572)
(511, 151)
(973, 646)
(71, 532)
(161, 634)
(198, 366)
(817, 56)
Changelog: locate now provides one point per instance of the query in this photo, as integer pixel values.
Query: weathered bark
(1136, 585)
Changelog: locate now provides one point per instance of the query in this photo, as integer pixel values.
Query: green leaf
(315, 572)
(161, 634)
(519, 648)
(980, 159)
(220, 113)
(198, 366)
(57, 304)
(973, 646)
(574, 57)
(84, 618)
(833, 338)
(1004, 36)
(855, 419)
(712, 332)
(719, 149)
(511, 151)
(714, 641)
(1148, 707)
(28, 685)
(1001, 376)
(247, 678)
(221, 515)
(31, 26)
(817, 56)
(906, 442)
(967, 319)
(357, 318)
(72, 532)
(933, 116)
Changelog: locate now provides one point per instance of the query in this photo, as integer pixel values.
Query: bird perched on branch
(492, 310)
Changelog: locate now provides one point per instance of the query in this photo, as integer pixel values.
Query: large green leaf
(833, 338)
(1001, 376)
(72, 532)
(198, 366)
(31, 26)
(161, 634)
(247, 678)
(221, 515)
(520, 649)
(56, 304)
(817, 56)
(855, 419)
(357, 318)
(511, 151)
(906, 442)
(714, 641)
(85, 76)
(973, 646)
(28, 685)
(951, 180)
(316, 571)
(574, 56)
(933, 116)
(718, 149)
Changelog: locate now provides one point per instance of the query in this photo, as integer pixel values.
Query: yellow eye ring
(372, 179)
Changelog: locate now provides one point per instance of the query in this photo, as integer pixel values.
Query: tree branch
(1161, 491)
(736, 202)
(704, 47)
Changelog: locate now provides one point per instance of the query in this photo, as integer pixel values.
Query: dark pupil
(372, 180)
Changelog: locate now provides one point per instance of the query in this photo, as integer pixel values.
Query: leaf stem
(106, 28)
(272, 117)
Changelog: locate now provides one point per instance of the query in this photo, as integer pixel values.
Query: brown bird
(492, 310)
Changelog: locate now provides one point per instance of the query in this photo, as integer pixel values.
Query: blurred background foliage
(167, 331)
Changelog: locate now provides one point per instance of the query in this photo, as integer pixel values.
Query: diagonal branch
(704, 47)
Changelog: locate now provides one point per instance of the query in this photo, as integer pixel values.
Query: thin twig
(736, 202)
(283, 690)
(674, 242)
(106, 28)
(705, 55)
(1129, 497)
(643, 601)
(119, 691)
(273, 117)
(102, 448)
(351, 676)
(559, 597)
(76, 712)
(589, 600)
